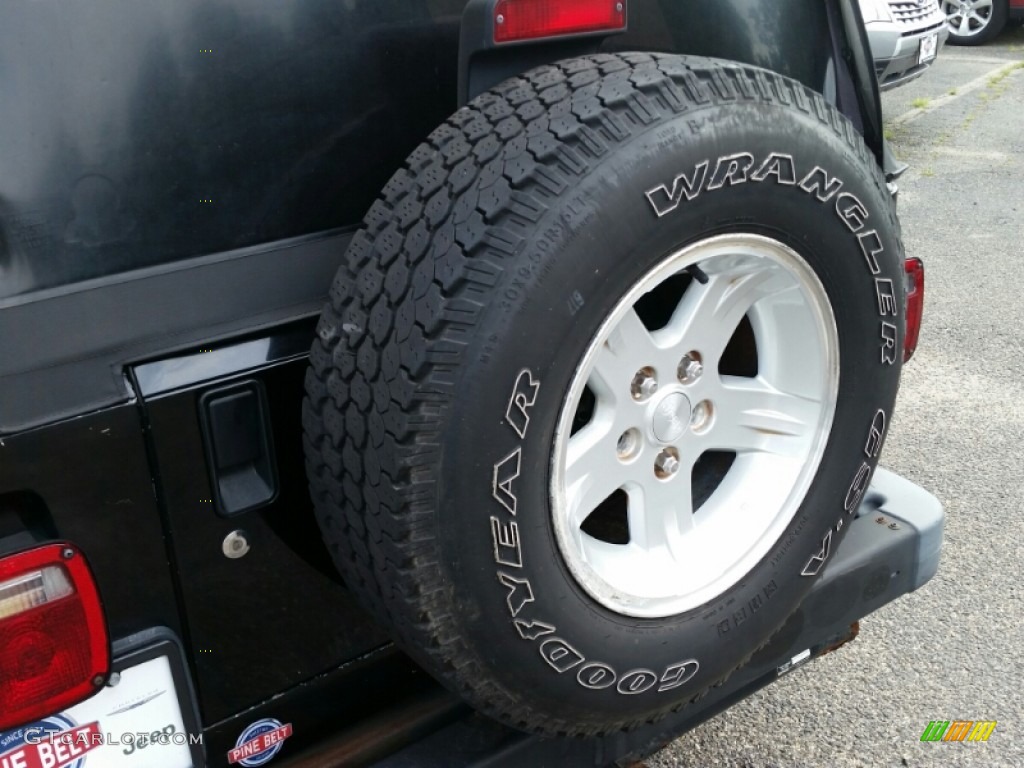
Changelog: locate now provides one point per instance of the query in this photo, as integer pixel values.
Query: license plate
(929, 47)
(137, 723)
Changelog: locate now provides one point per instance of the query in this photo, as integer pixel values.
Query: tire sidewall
(526, 618)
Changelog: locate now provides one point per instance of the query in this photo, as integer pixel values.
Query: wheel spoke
(660, 403)
(661, 512)
(593, 470)
(708, 314)
(628, 348)
(752, 416)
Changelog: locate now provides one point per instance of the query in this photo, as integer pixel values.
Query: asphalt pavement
(955, 648)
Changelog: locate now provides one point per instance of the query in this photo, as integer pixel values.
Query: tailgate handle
(239, 447)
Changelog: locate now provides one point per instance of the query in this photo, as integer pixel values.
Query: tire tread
(405, 301)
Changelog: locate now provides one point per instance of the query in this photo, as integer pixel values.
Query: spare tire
(602, 380)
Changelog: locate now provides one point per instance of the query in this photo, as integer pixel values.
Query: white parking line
(961, 90)
(978, 59)
(973, 154)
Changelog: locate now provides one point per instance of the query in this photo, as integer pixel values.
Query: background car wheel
(602, 380)
(974, 22)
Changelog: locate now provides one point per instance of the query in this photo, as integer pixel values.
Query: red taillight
(915, 305)
(533, 19)
(54, 650)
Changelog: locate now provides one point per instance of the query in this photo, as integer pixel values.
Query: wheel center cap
(670, 417)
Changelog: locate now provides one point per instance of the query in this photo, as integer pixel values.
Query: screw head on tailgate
(235, 545)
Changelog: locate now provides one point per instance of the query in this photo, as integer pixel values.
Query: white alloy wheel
(649, 417)
(968, 18)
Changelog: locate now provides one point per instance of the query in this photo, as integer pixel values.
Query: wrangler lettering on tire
(601, 378)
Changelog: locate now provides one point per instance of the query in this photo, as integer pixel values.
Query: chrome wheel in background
(973, 22)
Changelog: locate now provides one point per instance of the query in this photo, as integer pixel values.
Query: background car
(975, 22)
(905, 37)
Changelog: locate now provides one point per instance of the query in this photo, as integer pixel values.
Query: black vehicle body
(177, 182)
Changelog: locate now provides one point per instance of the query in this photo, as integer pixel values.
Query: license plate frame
(929, 48)
(153, 695)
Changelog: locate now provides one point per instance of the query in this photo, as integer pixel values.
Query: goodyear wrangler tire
(602, 380)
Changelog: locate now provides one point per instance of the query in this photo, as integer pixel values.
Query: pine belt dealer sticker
(28, 747)
(259, 743)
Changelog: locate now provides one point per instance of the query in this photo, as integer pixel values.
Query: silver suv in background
(905, 36)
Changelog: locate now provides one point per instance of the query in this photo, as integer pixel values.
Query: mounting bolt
(666, 465)
(690, 368)
(97, 681)
(499, 19)
(644, 384)
(67, 553)
(893, 527)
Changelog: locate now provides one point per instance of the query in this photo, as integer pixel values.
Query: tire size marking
(558, 653)
(741, 614)
(735, 169)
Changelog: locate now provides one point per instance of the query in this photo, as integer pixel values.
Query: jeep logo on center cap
(670, 418)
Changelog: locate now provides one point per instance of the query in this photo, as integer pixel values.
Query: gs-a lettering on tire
(602, 380)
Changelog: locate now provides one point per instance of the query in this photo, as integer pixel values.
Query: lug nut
(667, 464)
(644, 384)
(628, 445)
(690, 368)
(700, 416)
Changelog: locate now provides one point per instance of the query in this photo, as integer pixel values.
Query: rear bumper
(895, 50)
(891, 549)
